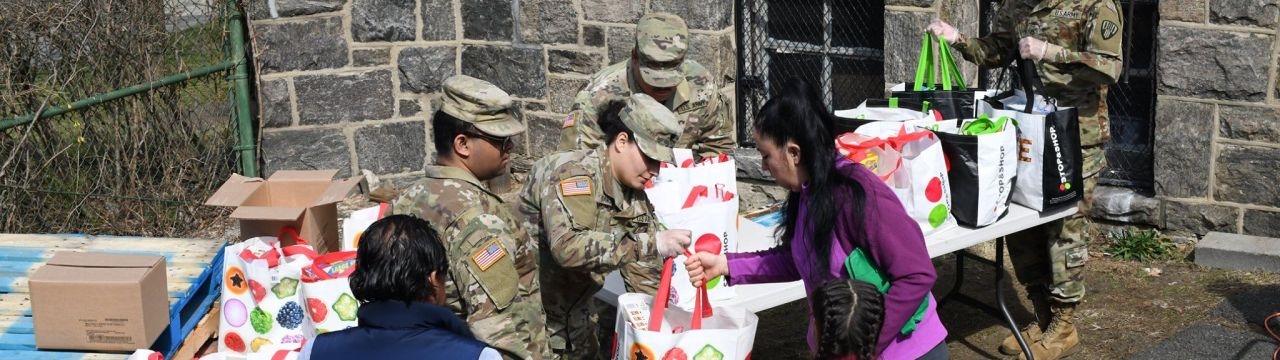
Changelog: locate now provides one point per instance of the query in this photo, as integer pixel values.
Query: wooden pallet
(204, 335)
(193, 267)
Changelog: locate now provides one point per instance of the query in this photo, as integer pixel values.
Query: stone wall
(1217, 149)
(352, 84)
(904, 24)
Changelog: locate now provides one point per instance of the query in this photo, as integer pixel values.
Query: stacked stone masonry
(351, 84)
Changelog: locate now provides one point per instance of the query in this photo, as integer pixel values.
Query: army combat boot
(1031, 332)
(1059, 339)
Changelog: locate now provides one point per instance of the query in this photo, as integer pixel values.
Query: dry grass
(141, 165)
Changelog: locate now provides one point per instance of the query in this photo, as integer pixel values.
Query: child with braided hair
(849, 314)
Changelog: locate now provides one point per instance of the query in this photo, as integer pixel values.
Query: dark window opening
(836, 45)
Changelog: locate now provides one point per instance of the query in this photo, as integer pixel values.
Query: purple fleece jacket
(894, 242)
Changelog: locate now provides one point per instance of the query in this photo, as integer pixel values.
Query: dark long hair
(611, 123)
(849, 314)
(797, 115)
(396, 257)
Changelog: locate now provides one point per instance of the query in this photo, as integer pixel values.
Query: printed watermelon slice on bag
(257, 290)
(317, 309)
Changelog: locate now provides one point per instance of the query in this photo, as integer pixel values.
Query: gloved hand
(705, 266)
(1036, 49)
(673, 242)
(944, 31)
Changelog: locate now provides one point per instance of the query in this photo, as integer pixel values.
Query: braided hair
(849, 313)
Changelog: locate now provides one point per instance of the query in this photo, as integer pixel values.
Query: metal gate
(837, 45)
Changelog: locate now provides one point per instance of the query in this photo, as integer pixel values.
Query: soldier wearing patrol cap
(657, 67)
(494, 281)
(1076, 47)
(589, 215)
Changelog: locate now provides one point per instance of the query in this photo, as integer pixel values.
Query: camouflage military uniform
(697, 103)
(502, 303)
(700, 110)
(588, 224)
(1089, 33)
(501, 299)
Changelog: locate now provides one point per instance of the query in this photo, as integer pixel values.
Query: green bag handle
(924, 64)
(949, 68)
(949, 72)
(860, 267)
(983, 125)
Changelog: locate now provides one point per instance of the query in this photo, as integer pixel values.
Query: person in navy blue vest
(400, 281)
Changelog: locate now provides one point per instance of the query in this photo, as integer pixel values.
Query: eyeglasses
(504, 143)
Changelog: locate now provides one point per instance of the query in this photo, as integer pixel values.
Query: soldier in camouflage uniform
(493, 268)
(589, 215)
(1076, 46)
(657, 67)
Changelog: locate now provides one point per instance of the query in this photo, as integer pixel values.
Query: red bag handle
(272, 257)
(317, 272)
(300, 246)
(697, 192)
(701, 307)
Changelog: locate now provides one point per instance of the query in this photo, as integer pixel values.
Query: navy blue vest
(392, 330)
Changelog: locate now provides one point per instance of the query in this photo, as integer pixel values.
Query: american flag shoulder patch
(579, 185)
(488, 255)
(569, 120)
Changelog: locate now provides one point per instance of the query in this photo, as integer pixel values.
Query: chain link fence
(836, 45)
(1132, 102)
(138, 165)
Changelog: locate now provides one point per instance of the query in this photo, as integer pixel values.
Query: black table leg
(1013, 325)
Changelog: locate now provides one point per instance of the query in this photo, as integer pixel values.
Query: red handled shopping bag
(648, 330)
(327, 292)
(702, 198)
(262, 307)
(920, 179)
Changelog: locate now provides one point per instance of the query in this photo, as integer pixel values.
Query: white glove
(944, 31)
(1036, 49)
(673, 242)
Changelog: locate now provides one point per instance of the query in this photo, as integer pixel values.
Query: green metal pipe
(244, 120)
(116, 94)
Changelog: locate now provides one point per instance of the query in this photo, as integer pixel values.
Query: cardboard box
(94, 301)
(303, 199)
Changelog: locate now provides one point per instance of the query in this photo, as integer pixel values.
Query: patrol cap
(481, 104)
(662, 40)
(654, 126)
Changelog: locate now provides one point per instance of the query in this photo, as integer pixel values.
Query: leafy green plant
(1140, 245)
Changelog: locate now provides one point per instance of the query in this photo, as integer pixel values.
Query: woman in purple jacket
(834, 206)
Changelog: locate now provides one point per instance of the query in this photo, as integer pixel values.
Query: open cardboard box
(303, 199)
